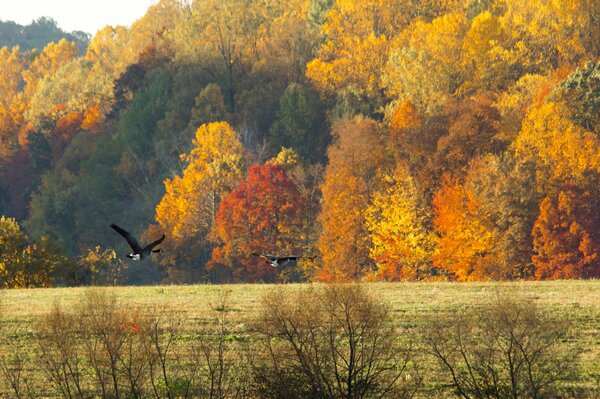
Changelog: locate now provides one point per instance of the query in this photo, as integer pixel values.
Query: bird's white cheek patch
(135, 256)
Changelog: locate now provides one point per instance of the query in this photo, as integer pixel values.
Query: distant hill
(38, 34)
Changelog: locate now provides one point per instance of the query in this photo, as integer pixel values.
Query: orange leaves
(466, 246)
(350, 181)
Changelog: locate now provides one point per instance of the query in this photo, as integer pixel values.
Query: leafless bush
(330, 342)
(101, 349)
(158, 333)
(105, 327)
(109, 350)
(59, 353)
(507, 349)
(13, 371)
(218, 354)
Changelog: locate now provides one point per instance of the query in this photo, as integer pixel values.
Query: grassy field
(410, 303)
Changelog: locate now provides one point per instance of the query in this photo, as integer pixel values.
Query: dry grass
(411, 306)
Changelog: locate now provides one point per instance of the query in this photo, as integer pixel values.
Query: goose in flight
(138, 253)
(277, 261)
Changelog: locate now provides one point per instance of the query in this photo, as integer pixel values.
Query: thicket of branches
(320, 342)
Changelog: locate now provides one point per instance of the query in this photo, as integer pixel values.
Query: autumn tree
(467, 245)
(263, 215)
(472, 130)
(561, 150)
(25, 264)
(189, 207)
(209, 106)
(47, 63)
(351, 179)
(398, 224)
(74, 87)
(485, 221)
(11, 106)
(567, 234)
(357, 37)
(422, 67)
(307, 177)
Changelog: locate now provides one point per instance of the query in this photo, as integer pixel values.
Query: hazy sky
(84, 15)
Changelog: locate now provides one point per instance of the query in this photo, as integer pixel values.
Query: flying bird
(277, 261)
(138, 253)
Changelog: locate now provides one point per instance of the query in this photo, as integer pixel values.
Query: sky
(84, 15)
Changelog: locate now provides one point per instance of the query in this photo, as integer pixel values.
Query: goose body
(277, 261)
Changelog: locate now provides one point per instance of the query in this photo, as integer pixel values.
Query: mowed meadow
(221, 331)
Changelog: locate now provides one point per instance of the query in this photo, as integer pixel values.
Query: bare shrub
(14, 373)
(59, 353)
(158, 333)
(330, 342)
(507, 349)
(98, 350)
(217, 354)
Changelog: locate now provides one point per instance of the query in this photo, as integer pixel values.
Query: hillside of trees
(393, 139)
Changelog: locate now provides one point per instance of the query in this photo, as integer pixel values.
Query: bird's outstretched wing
(130, 239)
(267, 256)
(153, 244)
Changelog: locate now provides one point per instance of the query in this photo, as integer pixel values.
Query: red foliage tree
(566, 235)
(264, 214)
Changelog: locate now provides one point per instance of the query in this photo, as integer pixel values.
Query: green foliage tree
(38, 34)
(300, 123)
(581, 91)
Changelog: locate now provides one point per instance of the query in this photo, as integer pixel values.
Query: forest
(378, 140)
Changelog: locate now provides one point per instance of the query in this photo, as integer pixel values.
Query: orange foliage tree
(466, 247)
(264, 214)
(351, 179)
(566, 235)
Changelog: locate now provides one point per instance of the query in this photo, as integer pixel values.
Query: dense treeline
(445, 139)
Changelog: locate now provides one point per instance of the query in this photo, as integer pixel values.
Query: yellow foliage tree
(423, 66)
(401, 245)
(214, 168)
(47, 63)
(11, 105)
(357, 36)
(562, 150)
(546, 34)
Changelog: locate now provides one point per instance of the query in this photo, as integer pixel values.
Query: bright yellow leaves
(401, 244)
(424, 66)
(563, 150)
(214, 168)
(356, 46)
